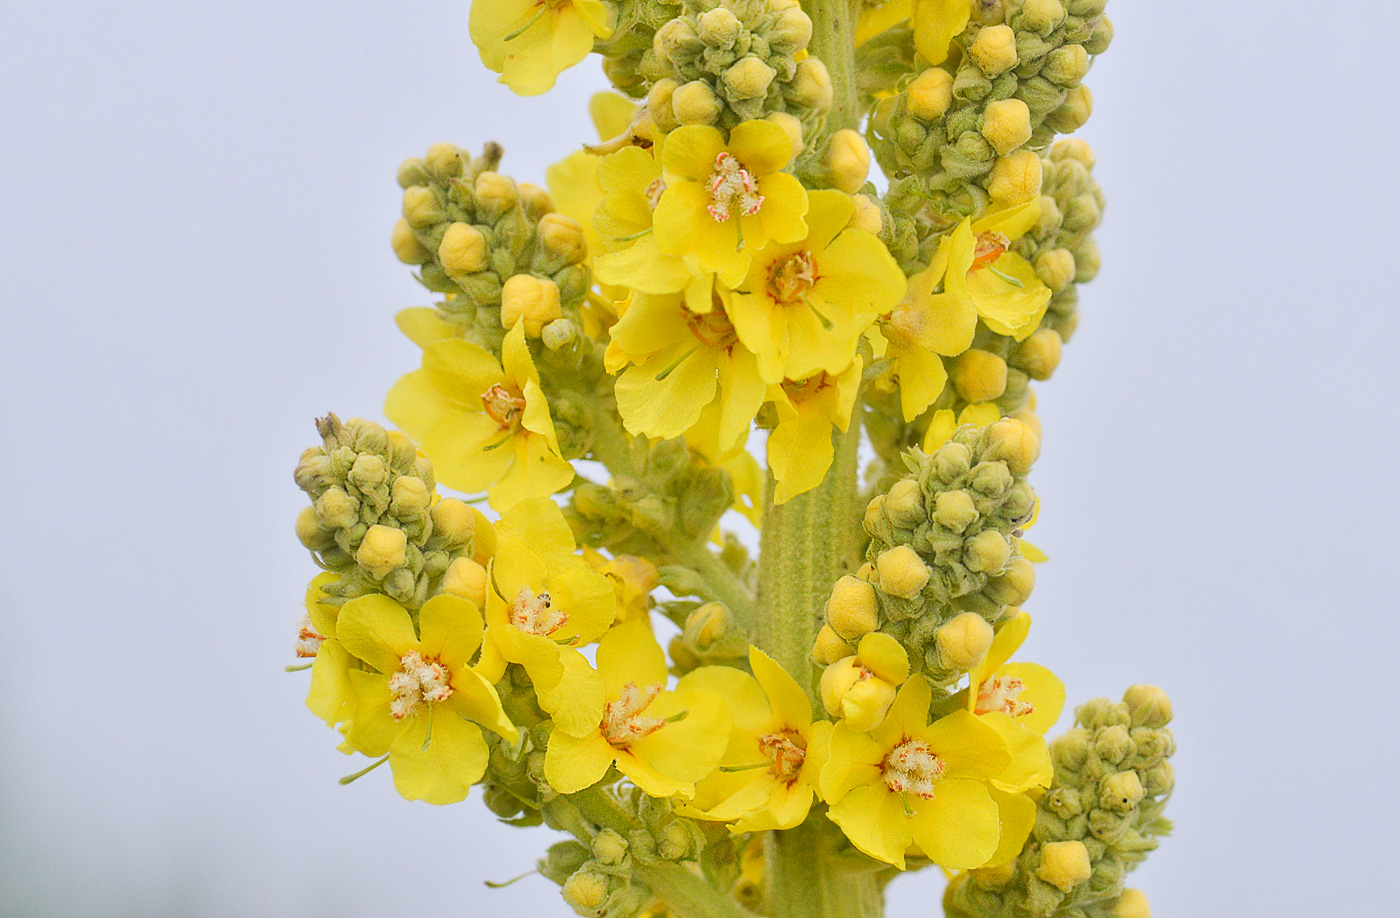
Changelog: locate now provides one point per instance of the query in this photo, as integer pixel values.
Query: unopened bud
(1120, 791)
(1013, 443)
(1075, 149)
(954, 510)
(609, 847)
(1055, 267)
(1132, 904)
(1006, 124)
(852, 610)
(586, 891)
(530, 299)
(829, 648)
(979, 376)
(994, 50)
(467, 579)
(406, 245)
(409, 496)
(811, 85)
(1064, 865)
(707, 624)
(535, 201)
(421, 207)
(1013, 587)
(382, 549)
(718, 28)
(1074, 112)
(1015, 178)
(696, 103)
(659, 103)
(930, 94)
(791, 126)
(748, 78)
(309, 530)
(902, 572)
(963, 641)
(336, 509)
(496, 193)
(1067, 65)
(453, 521)
(1042, 15)
(413, 171)
(904, 504)
(847, 161)
(852, 692)
(791, 31)
(462, 250)
(987, 552)
(563, 238)
(1148, 705)
(867, 216)
(677, 37)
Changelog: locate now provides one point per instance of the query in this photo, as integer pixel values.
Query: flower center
(623, 722)
(731, 185)
(503, 406)
(803, 389)
(713, 328)
(791, 277)
(1003, 694)
(532, 613)
(654, 192)
(989, 247)
(417, 681)
(912, 768)
(308, 638)
(787, 756)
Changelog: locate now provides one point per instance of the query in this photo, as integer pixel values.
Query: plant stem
(834, 43)
(806, 879)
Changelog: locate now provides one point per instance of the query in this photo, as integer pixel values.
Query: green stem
(833, 42)
(807, 879)
(808, 543)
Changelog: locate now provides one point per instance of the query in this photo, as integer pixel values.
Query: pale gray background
(196, 201)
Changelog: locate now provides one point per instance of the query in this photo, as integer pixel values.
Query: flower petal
(960, 826)
(438, 758)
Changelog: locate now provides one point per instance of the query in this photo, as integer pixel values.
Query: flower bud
(413, 171)
(811, 85)
(462, 250)
(904, 504)
(444, 160)
(748, 78)
(708, 624)
(531, 299)
(1042, 15)
(659, 104)
(902, 572)
(1013, 587)
(496, 193)
(535, 201)
(979, 376)
(791, 125)
(874, 513)
(867, 216)
(1120, 791)
(829, 648)
(336, 509)
(987, 552)
(609, 847)
(852, 610)
(467, 579)
(453, 521)
(963, 641)
(1015, 178)
(696, 103)
(586, 891)
(1132, 904)
(1072, 148)
(309, 531)
(1039, 354)
(409, 496)
(930, 94)
(791, 32)
(1114, 743)
(406, 245)
(847, 161)
(718, 28)
(1075, 110)
(1066, 66)
(1148, 705)
(954, 510)
(675, 38)
(1064, 865)
(852, 692)
(1013, 443)
(1006, 124)
(994, 50)
(421, 207)
(884, 656)
(382, 549)
(562, 238)
(1055, 267)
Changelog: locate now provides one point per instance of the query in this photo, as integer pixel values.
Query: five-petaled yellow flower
(909, 782)
(419, 700)
(530, 42)
(484, 425)
(722, 201)
(766, 779)
(662, 741)
(1021, 701)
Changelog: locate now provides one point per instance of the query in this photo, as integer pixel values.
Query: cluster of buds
(1099, 819)
(497, 250)
(375, 518)
(724, 62)
(944, 565)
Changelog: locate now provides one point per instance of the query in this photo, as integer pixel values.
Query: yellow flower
(909, 782)
(804, 303)
(944, 422)
(530, 42)
(722, 201)
(482, 425)
(1005, 291)
(800, 449)
(630, 253)
(766, 780)
(936, 24)
(633, 579)
(1021, 701)
(329, 697)
(859, 689)
(662, 741)
(419, 700)
(545, 600)
(682, 362)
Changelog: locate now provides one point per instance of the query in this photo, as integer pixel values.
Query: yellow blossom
(805, 303)
(329, 697)
(662, 741)
(860, 688)
(630, 254)
(766, 779)
(544, 601)
(799, 448)
(633, 579)
(936, 24)
(723, 201)
(484, 425)
(530, 42)
(910, 782)
(418, 700)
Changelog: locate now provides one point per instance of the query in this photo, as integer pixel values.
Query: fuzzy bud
(1132, 904)
(852, 610)
(496, 193)
(1148, 705)
(382, 549)
(1074, 112)
(421, 207)
(811, 85)
(1014, 443)
(1039, 354)
(467, 579)
(530, 299)
(954, 510)
(1064, 865)
(867, 216)
(1120, 791)
(453, 521)
(1015, 178)
(994, 50)
(406, 245)
(791, 125)
(930, 94)
(1006, 124)
(562, 238)
(1067, 66)
(718, 28)
(696, 103)
(979, 376)
(829, 648)
(462, 250)
(748, 78)
(902, 572)
(847, 161)
(963, 641)
(586, 891)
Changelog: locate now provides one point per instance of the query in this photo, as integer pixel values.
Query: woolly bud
(994, 50)
(852, 610)
(718, 28)
(562, 238)
(696, 103)
(954, 510)
(829, 647)
(1015, 584)
(1132, 904)
(1015, 178)
(1064, 865)
(462, 250)
(1006, 124)
(1055, 267)
(791, 125)
(963, 641)
(748, 78)
(406, 245)
(902, 572)
(496, 193)
(421, 207)
(467, 579)
(1067, 65)
(1039, 354)
(453, 521)
(1073, 112)
(847, 161)
(867, 216)
(1120, 791)
(979, 376)
(530, 299)
(1148, 705)
(1014, 443)
(1042, 15)
(659, 103)
(708, 624)
(791, 32)
(930, 94)
(987, 552)
(309, 531)
(811, 85)
(586, 891)
(382, 549)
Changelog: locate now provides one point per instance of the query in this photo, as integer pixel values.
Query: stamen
(308, 638)
(732, 186)
(623, 722)
(654, 192)
(503, 406)
(988, 248)
(713, 329)
(790, 278)
(533, 614)
(418, 681)
(912, 768)
(786, 755)
(1003, 694)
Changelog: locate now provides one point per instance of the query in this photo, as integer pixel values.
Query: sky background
(195, 205)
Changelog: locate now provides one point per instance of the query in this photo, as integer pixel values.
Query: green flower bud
(696, 103)
(407, 248)
(718, 28)
(749, 78)
(1148, 706)
(421, 207)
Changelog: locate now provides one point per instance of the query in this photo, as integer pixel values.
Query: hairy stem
(834, 43)
(808, 879)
